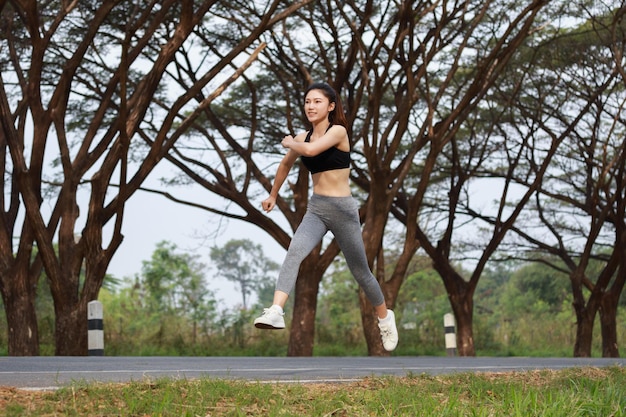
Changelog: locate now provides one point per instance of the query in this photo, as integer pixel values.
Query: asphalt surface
(45, 372)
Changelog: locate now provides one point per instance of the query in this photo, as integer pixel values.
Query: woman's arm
(336, 136)
(281, 175)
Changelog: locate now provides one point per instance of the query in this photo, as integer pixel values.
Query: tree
(410, 75)
(577, 215)
(244, 263)
(534, 288)
(176, 284)
(90, 84)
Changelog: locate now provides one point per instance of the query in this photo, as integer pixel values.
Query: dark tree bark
(608, 325)
(20, 309)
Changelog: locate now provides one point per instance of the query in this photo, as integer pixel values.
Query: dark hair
(337, 116)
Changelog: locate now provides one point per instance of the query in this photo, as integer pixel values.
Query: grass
(570, 392)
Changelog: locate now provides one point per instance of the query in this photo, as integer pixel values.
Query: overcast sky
(151, 218)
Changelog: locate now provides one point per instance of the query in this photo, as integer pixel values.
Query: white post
(449, 324)
(95, 328)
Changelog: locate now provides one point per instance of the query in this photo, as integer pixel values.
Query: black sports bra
(331, 158)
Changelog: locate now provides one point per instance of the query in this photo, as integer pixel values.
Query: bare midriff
(333, 183)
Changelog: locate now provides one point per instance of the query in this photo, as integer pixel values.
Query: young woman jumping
(325, 152)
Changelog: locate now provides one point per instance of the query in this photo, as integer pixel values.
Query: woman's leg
(308, 234)
(280, 298)
(346, 227)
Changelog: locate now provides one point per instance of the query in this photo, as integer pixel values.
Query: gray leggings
(340, 215)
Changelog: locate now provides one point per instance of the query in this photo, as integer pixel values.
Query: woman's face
(317, 107)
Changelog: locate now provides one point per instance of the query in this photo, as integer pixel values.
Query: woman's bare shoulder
(300, 137)
(338, 129)
(340, 135)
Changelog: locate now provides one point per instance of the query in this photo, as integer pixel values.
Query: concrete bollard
(95, 329)
(449, 325)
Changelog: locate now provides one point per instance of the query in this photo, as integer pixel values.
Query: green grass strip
(572, 392)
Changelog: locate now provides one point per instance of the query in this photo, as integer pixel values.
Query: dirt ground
(21, 396)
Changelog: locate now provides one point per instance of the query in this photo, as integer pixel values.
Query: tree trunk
(463, 309)
(70, 331)
(302, 334)
(461, 297)
(18, 295)
(584, 332)
(609, 303)
(22, 324)
(608, 325)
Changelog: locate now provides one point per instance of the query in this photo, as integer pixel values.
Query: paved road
(51, 372)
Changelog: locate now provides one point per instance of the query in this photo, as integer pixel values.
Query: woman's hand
(268, 204)
(287, 141)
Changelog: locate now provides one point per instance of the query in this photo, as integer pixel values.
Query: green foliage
(338, 320)
(526, 310)
(520, 310)
(169, 310)
(243, 262)
(173, 282)
(164, 310)
(534, 288)
(421, 305)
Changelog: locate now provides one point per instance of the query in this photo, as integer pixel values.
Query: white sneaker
(272, 318)
(388, 331)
